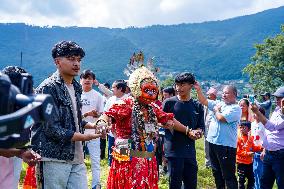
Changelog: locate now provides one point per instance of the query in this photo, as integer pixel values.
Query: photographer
(273, 142)
(266, 104)
(60, 143)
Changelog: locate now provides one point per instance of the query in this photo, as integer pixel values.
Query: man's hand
(169, 124)
(217, 108)
(93, 113)
(96, 82)
(197, 86)
(92, 134)
(262, 155)
(102, 128)
(251, 154)
(254, 108)
(195, 134)
(198, 133)
(30, 157)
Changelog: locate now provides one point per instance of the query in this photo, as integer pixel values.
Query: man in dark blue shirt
(180, 147)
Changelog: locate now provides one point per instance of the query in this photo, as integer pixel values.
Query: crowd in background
(240, 136)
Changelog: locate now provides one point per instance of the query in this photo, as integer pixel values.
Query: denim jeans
(257, 169)
(57, 175)
(273, 166)
(17, 169)
(110, 145)
(223, 163)
(94, 151)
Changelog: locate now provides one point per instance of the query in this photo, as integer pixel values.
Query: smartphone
(251, 99)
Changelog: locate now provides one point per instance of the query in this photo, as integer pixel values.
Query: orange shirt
(245, 146)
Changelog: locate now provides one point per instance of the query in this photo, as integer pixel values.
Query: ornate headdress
(138, 72)
(136, 78)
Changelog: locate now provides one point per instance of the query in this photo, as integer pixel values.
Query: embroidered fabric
(128, 126)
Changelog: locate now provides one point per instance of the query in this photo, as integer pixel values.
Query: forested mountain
(216, 50)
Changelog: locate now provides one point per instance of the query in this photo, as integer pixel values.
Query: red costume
(135, 126)
(127, 171)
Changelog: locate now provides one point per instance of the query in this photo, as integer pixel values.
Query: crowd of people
(147, 127)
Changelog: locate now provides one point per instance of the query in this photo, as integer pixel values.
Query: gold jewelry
(186, 131)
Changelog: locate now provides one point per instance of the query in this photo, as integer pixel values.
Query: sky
(126, 13)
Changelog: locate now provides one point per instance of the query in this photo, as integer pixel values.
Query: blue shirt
(267, 107)
(224, 133)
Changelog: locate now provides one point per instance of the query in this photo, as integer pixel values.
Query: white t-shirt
(258, 132)
(79, 154)
(91, 100)
(111, 101)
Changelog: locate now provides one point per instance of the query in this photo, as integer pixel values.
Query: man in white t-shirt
(92, 107)
(118, 89)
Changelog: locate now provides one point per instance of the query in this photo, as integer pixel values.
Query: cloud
(124, 13)
(50, 12)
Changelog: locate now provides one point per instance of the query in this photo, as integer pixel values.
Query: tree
(168, 82)
(266, 72)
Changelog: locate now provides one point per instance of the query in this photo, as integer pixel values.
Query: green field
(205, 178)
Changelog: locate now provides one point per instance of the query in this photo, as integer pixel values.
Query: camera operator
(11, 162)
(7, 180)
(60, 143)
(266, 104)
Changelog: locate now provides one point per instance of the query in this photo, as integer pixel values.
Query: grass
(205, 178)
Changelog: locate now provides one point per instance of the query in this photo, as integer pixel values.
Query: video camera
(20, 109)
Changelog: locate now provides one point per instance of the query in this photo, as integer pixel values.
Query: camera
(20, 109)
(250, 97)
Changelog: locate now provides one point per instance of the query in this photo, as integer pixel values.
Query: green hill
(212, 50)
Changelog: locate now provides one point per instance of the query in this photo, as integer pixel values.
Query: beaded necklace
(140, 138)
